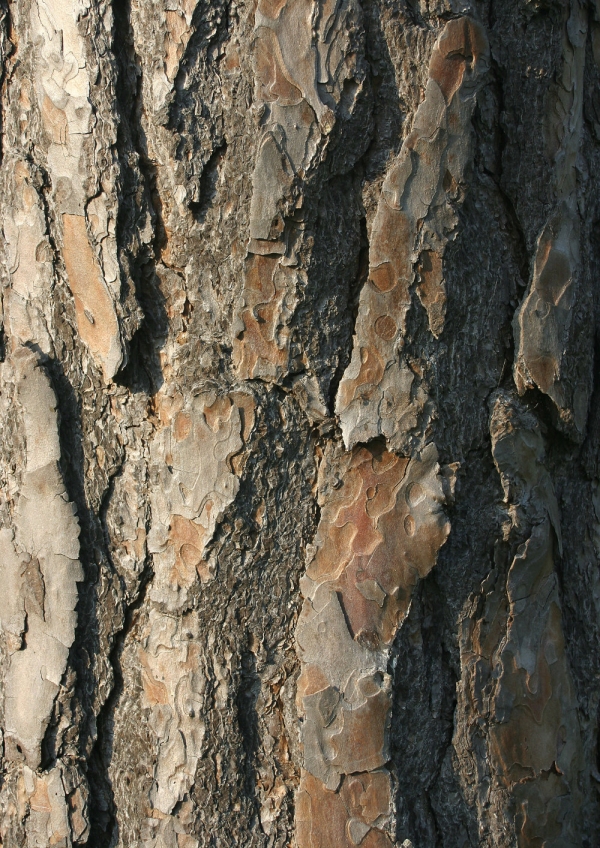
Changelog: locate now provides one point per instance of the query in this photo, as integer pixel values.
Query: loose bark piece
(380, 532)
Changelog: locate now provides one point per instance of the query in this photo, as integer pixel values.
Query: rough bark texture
(300, 423)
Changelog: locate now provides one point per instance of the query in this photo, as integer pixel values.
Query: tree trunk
(299, 467)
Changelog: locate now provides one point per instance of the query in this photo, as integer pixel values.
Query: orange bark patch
(167, 406)
(379, 533)
(40, 800)
(271, 8)
(262, 345)
(369, 794)
(460, 46)
(182, 426)
(311, 680)
(155, 692)
(370, 374)
(431, 290)
(361, 744)
(55, 121)
(273, 82)
(544, 371)
(383, 277)
(176, 39)
(326, 819)
(219, 412)
(386, 328)
(187, 539)
(393, 237)
(96, 317)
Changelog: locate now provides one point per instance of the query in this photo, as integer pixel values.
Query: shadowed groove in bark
(104, 823)
(93, 558)
(208, 183)
(142, 371)
(210, 30)
(354, 288)
(7, 51)
(248, 690)
(141, 375)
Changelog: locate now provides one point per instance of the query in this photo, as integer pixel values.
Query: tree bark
(299, 467)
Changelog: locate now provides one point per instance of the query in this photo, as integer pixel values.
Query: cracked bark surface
(300, 423)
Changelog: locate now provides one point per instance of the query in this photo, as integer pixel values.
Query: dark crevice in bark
(589, 450)
(246, 551)
(329, 287)
(388, 118)
(93, 555)
(104, 828)
(512, 222)
(246, 699)
(412, 9)
(381, 106)
(208, 183)
(72, 462)
(501, 141)
(104, 825)
(7, 53)
(449, 705)
(589, 455)
(427, 669)
(143, 372)
(354, 290)
(210, 24)
(192, 113)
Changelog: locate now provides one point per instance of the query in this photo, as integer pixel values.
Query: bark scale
(299, 468)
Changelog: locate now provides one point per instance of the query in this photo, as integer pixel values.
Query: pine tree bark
(299, 467)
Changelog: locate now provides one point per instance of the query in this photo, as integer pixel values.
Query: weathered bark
(299, 466)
